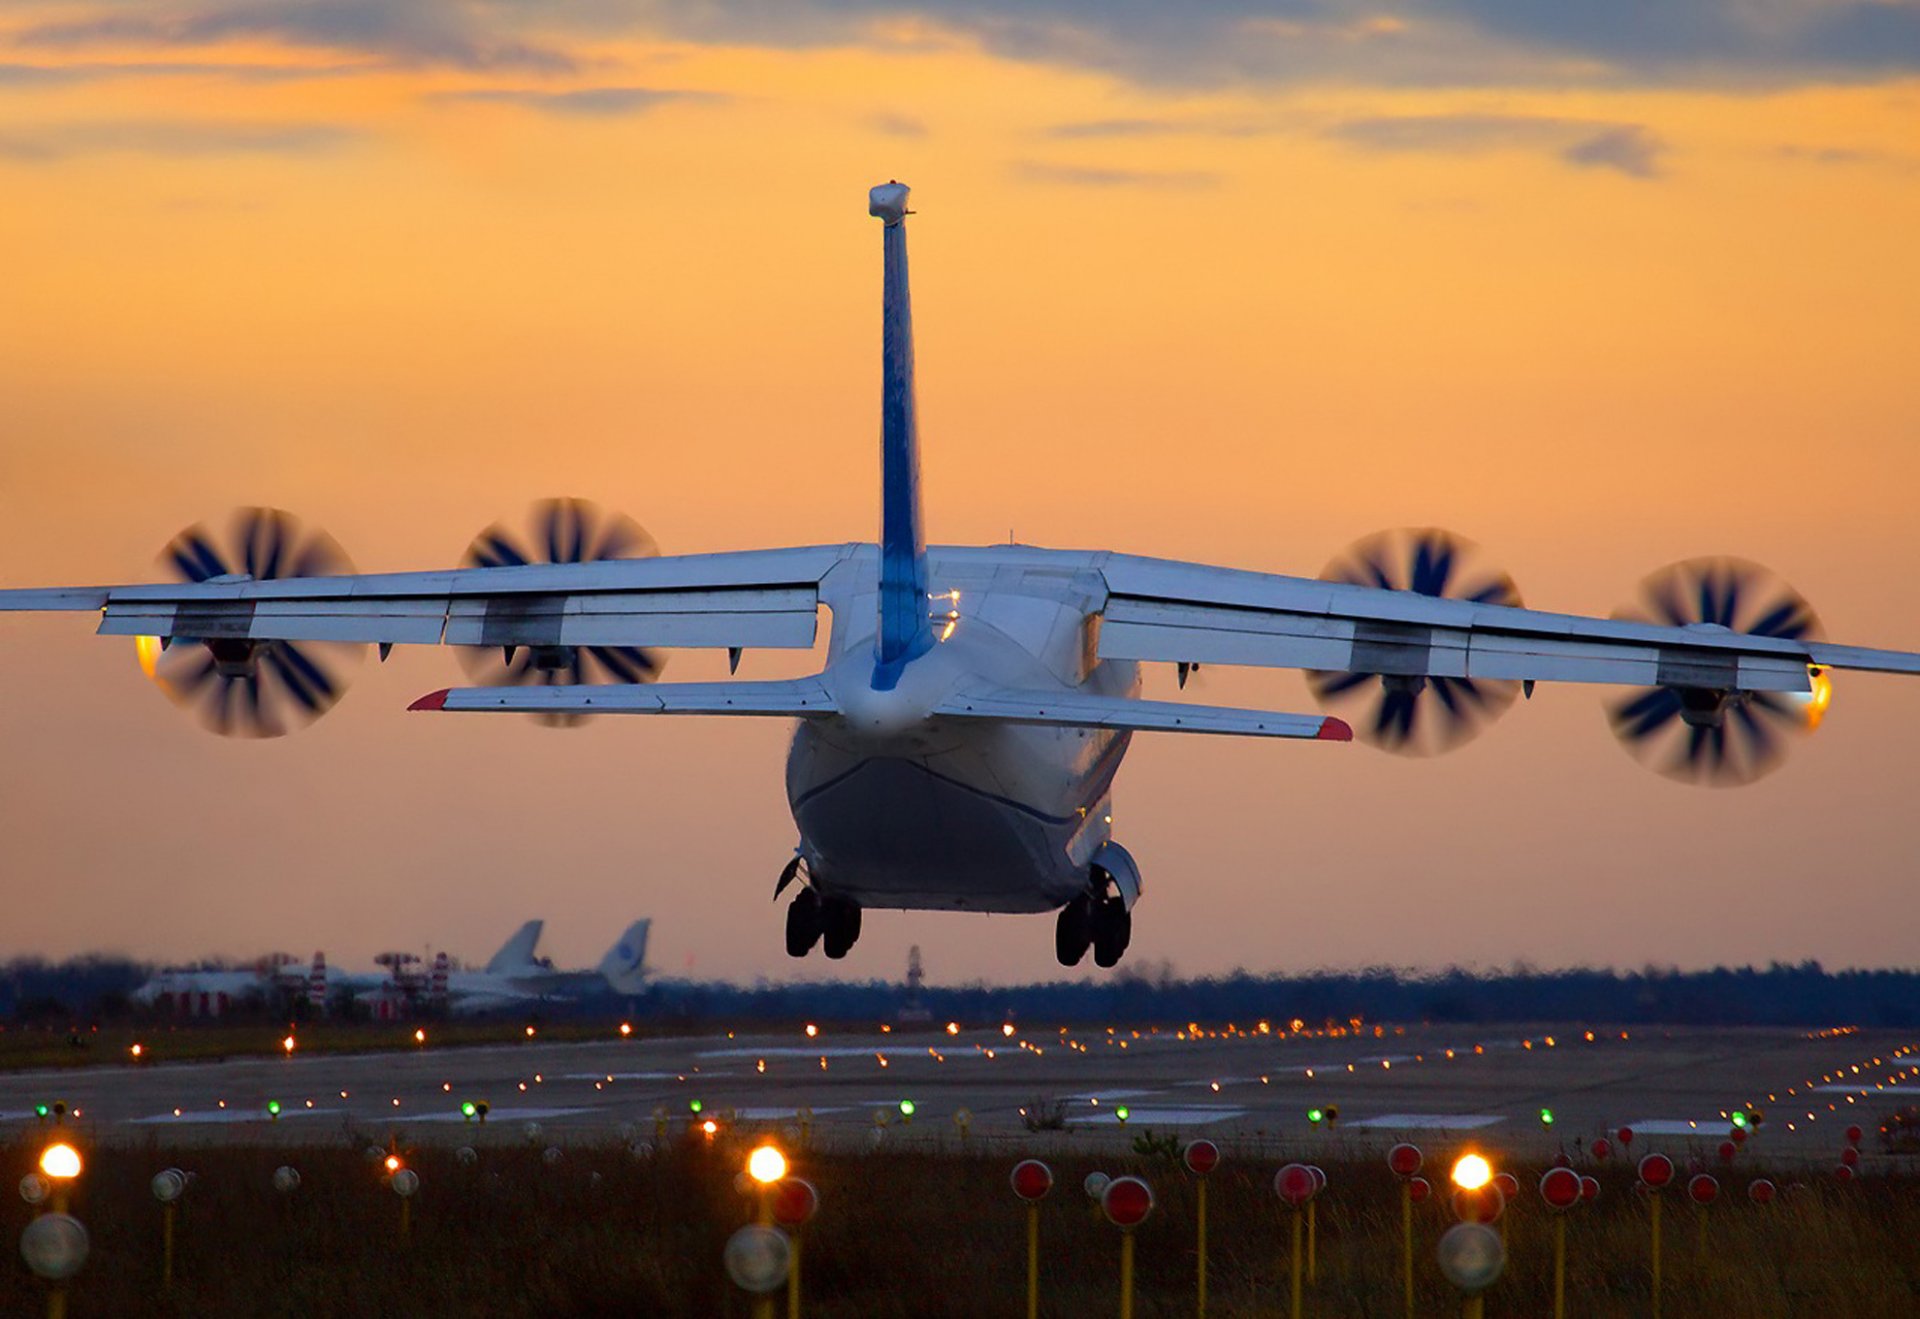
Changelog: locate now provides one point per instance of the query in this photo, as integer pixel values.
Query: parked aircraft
(514, 976)
(959, 748)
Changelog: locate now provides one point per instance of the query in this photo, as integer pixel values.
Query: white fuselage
(897, 808)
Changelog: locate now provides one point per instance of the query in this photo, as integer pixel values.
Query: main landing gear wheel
(842, 926)
(1073, 932)
(1112, 931)
(805, 923)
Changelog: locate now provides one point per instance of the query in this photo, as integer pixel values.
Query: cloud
(594, 102)
(896, 125)
(1630, 149)
(1085, 176)
(29, 75)
(154, 137)
(408, 32)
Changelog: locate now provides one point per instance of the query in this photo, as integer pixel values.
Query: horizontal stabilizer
(1083, 710)
(793, 698)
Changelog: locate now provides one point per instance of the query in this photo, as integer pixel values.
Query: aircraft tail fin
(904, 631)
(625, 965)
(516, 954)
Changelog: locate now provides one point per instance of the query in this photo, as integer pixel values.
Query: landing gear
(813, 919)
(842, 919)
(1097, 921)
(804, 923)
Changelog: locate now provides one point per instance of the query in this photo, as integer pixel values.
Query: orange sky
(1596, 315)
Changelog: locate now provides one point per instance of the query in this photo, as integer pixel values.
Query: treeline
(1778, 995)
(1804, 994)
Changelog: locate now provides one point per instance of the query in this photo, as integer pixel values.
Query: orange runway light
(287, 1044)
(1471, 1172)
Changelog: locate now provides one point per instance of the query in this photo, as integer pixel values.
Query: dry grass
(903, 1233)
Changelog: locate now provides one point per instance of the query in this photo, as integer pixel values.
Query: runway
(1674, 1087)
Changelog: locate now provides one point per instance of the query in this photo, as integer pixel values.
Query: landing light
(60, 1161)
(1471, 1172)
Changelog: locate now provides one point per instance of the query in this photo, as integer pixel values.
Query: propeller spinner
(561, 531)
(241, 687)
(1415, 715)
(1719, 738)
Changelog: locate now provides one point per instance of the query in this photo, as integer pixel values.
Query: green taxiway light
(273, 1108)
(1739, 1119)
(1546, 1117)
(695, 1105)
(1121, 1112)
(1314, 1116)
(40, 1111)
(906, 1108)
(467, 1109)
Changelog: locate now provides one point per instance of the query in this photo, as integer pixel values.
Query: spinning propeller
(1411, 714)
(560, 531)
(241, 687)
(1713, 736)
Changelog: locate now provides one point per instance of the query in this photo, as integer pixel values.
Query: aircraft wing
(754, 598)
(1189, 613)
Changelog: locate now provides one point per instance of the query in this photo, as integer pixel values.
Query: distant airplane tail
(516, 954)
(904, 630)
(625, 965)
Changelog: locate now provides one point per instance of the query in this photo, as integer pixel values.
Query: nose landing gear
(1094, 920)
(812, 919)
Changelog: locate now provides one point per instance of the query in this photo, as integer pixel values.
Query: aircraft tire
(842, 922)
(1073, 932)
(1112, 931)
(804, 923)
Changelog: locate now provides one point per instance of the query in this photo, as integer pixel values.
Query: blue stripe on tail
(905, 631)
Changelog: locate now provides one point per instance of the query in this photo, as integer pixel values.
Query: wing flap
(1085, 710)
(805, 698)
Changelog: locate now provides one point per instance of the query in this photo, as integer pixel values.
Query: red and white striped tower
(317, 983)
(437, 986)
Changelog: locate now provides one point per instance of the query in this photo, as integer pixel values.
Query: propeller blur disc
(561, 531)
(239, 687)
(1418, 716)
(1719, 738)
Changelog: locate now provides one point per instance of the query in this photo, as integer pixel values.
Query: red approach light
(1853, 1135)
(1703, 1188)
(1602, 1149)
(1126, 1202)
(1404, 1159)
(1562, 1160)
(1509, 1185)
(1850, 1157)
(1760, 1191)
(795, 1202)
(1589, 1189)
(1738, 1135)
(1656, 1170)
(1295, 1184)
(1843, 1174)
(1482, 1204)
(1625, 1136)
(1419, 1190)
(1031, 1179)
(1727, 1150)
(1201, 1157)
(1560, 1188)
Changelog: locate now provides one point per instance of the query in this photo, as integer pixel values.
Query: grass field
(923, 1234)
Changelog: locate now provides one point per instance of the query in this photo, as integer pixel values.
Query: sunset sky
(1599, 285)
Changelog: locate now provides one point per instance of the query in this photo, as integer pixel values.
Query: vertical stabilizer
(516, 954)
(625, 965)
(904, 630)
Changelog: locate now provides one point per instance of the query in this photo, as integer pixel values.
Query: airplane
(513, 977)
(195, 991)
(958, 749)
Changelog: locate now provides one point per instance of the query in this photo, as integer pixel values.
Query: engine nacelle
(1113, 862)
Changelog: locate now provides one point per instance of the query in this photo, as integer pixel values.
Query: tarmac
(929, 1084)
